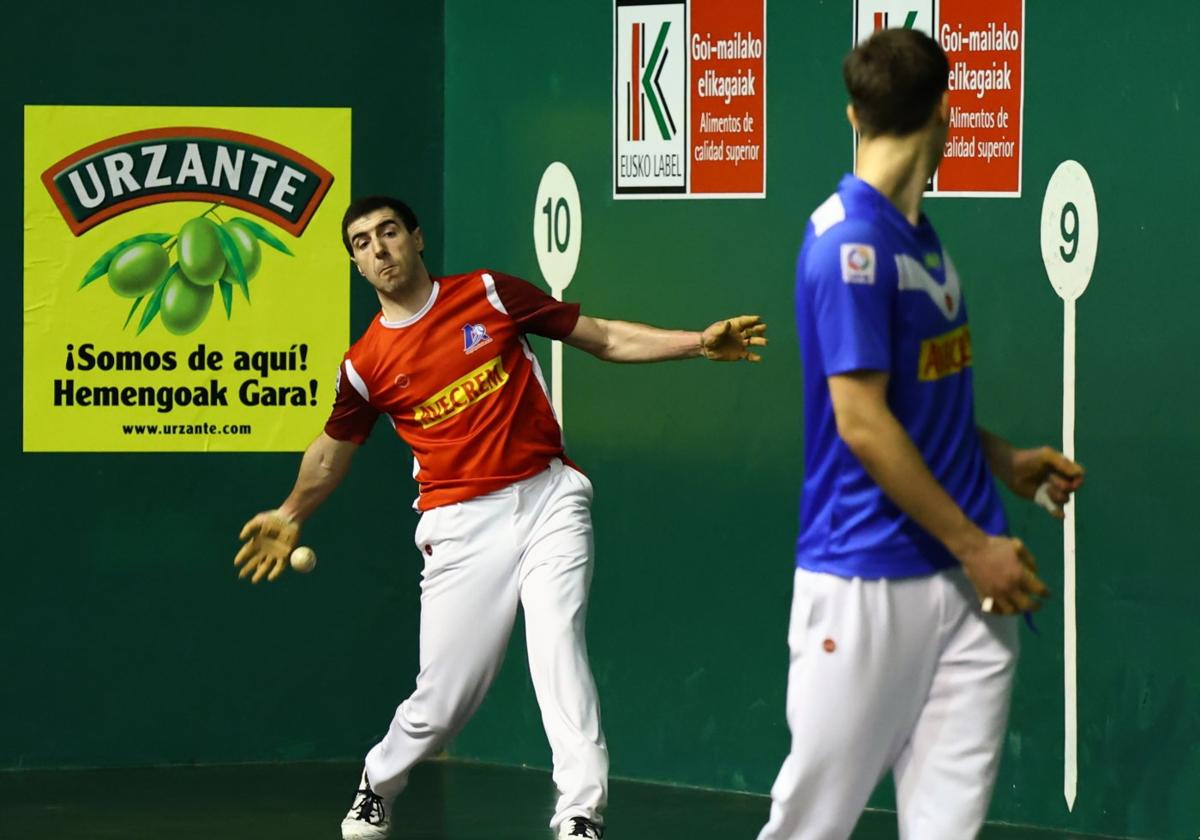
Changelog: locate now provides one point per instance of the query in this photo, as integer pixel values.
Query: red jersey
(460, 384)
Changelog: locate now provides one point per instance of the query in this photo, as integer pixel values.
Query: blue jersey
(875, 293)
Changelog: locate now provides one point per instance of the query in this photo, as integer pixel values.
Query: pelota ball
(303, 559)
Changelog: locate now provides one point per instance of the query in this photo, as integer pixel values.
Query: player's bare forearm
(870, 430)
(324, 465)
(1000, 568)
(624, 341)
(999, 455)
(1023, 471)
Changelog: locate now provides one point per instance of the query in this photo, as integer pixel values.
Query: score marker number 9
(1070, 236)
(1070, 230)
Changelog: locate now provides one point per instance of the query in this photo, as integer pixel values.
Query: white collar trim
(408, 322)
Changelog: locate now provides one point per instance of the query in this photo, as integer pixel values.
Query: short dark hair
(360, 207)
(895, 79)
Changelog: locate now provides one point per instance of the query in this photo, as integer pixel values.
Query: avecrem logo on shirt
(462, 393)
(944, 355)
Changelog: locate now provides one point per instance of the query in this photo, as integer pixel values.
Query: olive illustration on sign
(184, 304)
(138, 269)
(247, 247)
(208, 255)
(200, 255)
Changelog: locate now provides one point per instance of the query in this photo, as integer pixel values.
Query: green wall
(697, 468)
(126, 637)
(128, 641)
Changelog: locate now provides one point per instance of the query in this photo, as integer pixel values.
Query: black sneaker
(579, 827)
(367, 818)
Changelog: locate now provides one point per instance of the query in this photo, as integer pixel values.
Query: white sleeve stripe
(357, 381)
(828, 214)
(489, 285)
(537, 371)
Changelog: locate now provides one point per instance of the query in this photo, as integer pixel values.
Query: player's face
(385, 251)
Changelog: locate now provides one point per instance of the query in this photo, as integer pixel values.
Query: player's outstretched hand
(269, 539)
(1004, 574)
(730, 340)
(1047, 476)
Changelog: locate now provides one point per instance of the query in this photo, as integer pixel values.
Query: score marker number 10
(557, 227)
(560, 229)
(557, 232)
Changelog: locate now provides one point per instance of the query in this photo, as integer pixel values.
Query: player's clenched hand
(730, 340)
(1002, 569)
(1032, 468)
(269, 539)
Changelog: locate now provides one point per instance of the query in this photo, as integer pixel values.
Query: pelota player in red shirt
(505, 515)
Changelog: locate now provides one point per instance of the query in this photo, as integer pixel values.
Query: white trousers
(528, 544)
(908, 675)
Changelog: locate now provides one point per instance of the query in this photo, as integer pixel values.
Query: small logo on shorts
(402, 380)
(429, 549)
(858, 263)
(474, 337)
(830, 645)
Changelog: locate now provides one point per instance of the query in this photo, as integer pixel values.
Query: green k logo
(650, 84)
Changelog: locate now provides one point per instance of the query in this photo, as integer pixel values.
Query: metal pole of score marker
(557, 234)
(556, 368)
(1069, 236)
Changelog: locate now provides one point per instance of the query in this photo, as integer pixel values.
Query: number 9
(1071, 237)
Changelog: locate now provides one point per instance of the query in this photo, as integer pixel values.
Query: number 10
(562, 218)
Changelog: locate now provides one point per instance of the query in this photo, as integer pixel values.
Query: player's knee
(824, 747)
(430, 716)
(565, 625)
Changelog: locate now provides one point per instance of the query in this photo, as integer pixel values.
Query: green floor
(445, 801)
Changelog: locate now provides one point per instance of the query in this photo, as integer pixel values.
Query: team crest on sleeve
(474, 337)
(858, 263)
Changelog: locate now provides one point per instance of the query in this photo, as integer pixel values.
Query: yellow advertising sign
(186, 287)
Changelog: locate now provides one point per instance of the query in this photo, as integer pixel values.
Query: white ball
(304, 559)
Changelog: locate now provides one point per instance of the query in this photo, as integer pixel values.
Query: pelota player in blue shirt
(903, 634)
